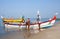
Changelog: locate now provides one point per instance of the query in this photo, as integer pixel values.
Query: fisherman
(23, 19)
(28, 23)
(38, 19)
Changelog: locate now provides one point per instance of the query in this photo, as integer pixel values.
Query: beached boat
(16, 24)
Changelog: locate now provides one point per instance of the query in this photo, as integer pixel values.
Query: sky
(29, 8)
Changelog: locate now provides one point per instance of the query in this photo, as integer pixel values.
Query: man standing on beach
(38, 19)
(28, 23)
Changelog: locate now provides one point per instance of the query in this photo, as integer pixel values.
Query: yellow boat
(21, 20)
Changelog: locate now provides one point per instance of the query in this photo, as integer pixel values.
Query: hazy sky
(29, 8)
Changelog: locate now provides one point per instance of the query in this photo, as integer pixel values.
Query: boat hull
(35, 26)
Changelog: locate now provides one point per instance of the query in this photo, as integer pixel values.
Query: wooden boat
(16, 24)
(11, 20)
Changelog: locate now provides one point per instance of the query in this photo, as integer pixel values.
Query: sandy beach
(49, 33)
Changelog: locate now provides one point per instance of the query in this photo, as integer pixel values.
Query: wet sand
(49, 33)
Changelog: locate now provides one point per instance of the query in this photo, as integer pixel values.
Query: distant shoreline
(58, 19)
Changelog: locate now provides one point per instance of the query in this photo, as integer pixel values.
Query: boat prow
(47, 23)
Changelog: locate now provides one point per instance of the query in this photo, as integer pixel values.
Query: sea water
(2, 31)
